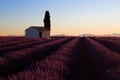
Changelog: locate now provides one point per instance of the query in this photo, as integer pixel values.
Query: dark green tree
(47, 20)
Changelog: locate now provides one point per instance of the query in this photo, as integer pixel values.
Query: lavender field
(60, 58)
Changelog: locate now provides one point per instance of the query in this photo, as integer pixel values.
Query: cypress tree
(47, 20)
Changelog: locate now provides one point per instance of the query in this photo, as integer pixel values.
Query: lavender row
(9, 39)
(16, 61)
(112, 38)
(16, 42)
(57, 66)
(113, 45)
(102, 60)
(6, 49)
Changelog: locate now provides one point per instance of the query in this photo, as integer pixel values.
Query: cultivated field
(60, 58)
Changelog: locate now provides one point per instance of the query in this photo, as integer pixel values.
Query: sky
(69, 17)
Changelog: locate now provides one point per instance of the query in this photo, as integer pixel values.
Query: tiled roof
(39, 28)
